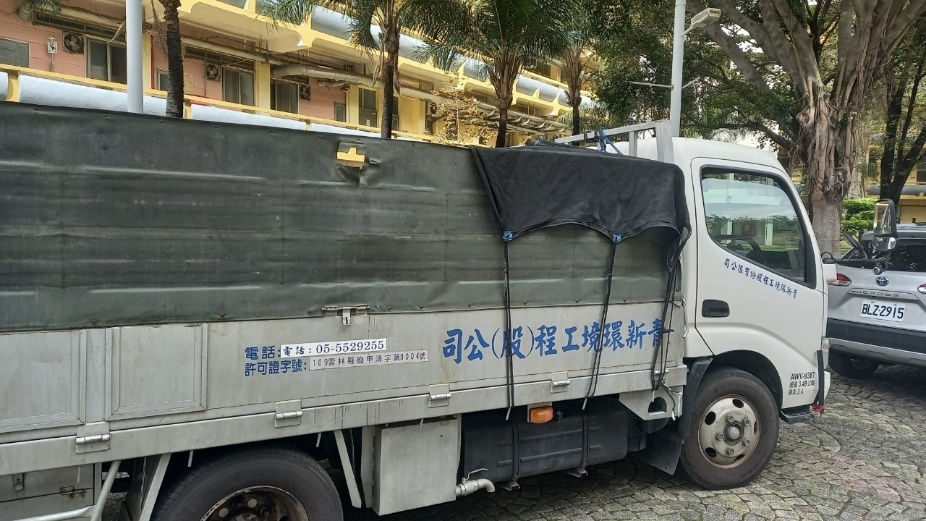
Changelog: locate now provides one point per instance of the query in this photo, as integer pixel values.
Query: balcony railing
(192, 104)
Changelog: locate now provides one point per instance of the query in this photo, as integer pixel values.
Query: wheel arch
(754, 364)
(206, 465)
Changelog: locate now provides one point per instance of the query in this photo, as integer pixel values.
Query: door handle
(715, 309)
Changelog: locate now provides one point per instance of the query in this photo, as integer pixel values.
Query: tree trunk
(501, 139)
(825, 141)
(576, 119)
(175, 91)
(827, 222)
(895, 92)
(385, 127)
(859, 185)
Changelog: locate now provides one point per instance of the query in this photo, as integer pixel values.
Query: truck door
(759, 288)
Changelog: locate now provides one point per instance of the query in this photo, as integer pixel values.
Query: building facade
(913, 197)
(238, 60)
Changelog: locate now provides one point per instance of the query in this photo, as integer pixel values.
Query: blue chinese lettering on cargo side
(612, 335)
(471, 345)
(266, 363)
(590, 336)
(516, 344)
(635, 334)
(570, 345)
(454, 347)
(546, 340)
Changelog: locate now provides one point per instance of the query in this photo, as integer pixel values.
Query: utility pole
(705, 17)
(678, 52)
(133, 30)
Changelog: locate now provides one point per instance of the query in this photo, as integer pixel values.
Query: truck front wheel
(265, 484)
(734, 430)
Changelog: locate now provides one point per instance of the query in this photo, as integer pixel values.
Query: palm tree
(175, 92)
(506, 35)
(575, 59)
(575, 64)
(392, 16)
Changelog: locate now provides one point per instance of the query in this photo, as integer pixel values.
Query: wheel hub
(257, 504)
(728, 431)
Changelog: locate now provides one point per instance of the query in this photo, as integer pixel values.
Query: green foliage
(859, 215)
(904, 139)
(506, 36)
(634, 40)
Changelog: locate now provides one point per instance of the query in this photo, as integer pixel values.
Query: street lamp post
(699, 20)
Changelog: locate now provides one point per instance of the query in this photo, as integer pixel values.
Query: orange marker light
(541, 414)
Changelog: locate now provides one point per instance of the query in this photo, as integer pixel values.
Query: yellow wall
(262, 85)
(913, 208)
(411, 115)
(146, 60)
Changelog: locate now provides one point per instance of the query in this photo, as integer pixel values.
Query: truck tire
(734, 430)
(257, 483)
(852, 367)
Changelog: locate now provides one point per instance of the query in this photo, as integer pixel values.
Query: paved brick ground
(863, 460)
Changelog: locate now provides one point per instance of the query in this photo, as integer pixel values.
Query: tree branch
(911, 105)
(903, 21)
(731, 49)
(757, 126)
(786, 52)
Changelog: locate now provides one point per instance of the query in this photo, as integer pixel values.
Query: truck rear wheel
(734, 430)
(260, 484)
(852, 367)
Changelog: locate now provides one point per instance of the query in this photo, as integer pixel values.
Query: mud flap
(664, 447)
(818, 405)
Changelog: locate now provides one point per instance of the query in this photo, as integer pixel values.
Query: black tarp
(620, 196)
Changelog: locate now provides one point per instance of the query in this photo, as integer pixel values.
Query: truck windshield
(751, 215)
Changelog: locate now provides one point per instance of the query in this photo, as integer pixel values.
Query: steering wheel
(748, 240)
(855, 244)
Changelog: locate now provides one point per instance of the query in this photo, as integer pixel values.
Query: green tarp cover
(115, 219)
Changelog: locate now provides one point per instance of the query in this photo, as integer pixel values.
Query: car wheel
(734, 430)
(260, 483)
(851, 366)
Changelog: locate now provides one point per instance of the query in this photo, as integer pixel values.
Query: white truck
(213, 316)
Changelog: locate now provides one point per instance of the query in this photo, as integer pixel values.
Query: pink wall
(36, 36)
(322, 103)
(191, 68)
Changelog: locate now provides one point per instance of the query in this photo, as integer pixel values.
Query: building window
(14, 53)
(542, 69)
(340, 111)
(921, 173)
(368, 114)
(238, 86)
(106, 61)
(284, 96)
(163, 80)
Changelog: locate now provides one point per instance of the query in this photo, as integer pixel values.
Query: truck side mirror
(885, 226)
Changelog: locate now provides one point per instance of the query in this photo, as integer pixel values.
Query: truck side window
(753, 216)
